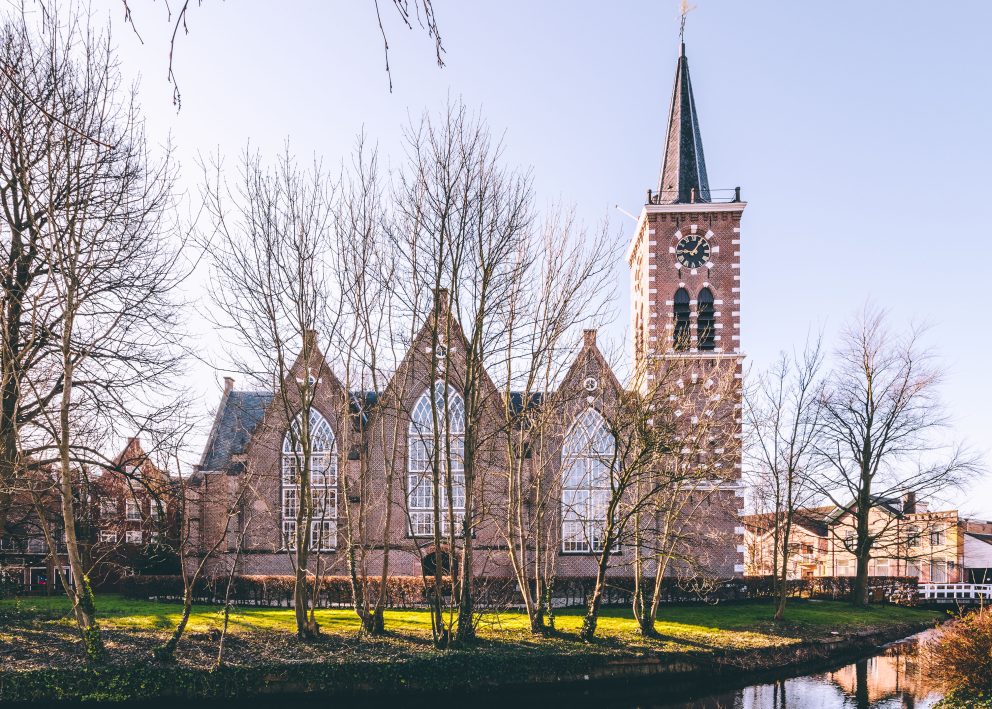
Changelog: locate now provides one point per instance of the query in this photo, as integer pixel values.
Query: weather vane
(684, 8)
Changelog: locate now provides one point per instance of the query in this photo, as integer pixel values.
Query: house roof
(812, 519)
(987, 538)
(241, 413)
(891, 505)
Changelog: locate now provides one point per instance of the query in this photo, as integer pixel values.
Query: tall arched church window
(680, 336)
(323, 468)
(705, 320)
(441, 448)
(588, 455)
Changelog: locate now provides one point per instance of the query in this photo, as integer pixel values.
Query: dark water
(892, 679)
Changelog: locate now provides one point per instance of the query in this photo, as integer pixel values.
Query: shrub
(892, 589)
(961, 655)
(333, 591)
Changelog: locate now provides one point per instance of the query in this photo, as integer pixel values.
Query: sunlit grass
(703, 627)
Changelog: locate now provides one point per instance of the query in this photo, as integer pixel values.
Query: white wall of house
(977, 554)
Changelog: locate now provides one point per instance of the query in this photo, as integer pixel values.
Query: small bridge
(956, 593)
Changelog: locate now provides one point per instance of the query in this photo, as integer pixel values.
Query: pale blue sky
(858, 132)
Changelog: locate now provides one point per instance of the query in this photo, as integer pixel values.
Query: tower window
(705, 320)
(681, 334)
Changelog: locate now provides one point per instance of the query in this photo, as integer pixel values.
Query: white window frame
(132, 511)
(108, 507)
(108, 536)
(323, 483)
(449, 407)
(588, 455)
(133, 536)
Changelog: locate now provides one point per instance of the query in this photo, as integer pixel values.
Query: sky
(857, 131)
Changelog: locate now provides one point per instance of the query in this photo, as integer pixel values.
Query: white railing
(956, 592)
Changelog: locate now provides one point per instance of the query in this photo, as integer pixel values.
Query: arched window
(323, 466)
(587, 458)
(442, 449)
(680, 336)
(705, 320)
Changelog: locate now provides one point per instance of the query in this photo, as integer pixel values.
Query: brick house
(127, 520)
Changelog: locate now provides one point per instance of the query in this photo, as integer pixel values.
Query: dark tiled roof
(684, 168)
(987, 538)
(809, 519)
(362, 403)
(813, 523)
(517, 404)
(243, 410)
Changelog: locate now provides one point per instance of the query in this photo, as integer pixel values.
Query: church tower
(685, 256)
(685, 276)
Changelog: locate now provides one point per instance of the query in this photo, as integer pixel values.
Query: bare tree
(419, 13)
(188, 541)
(467, 219)
(882, 426)
(270, 242)
(783, 420)
(366, 349)
(92, 327)
(565, 287)
(689, 407)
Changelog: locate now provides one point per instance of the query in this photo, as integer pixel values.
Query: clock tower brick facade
(686, 286)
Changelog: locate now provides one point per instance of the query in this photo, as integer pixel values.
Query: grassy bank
(41, 657)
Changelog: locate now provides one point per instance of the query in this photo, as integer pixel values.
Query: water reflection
(893, 680)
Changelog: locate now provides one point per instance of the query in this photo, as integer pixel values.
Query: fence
(967, 593)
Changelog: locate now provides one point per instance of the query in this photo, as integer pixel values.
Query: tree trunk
(859, 596)
(82, 596)
(167, 651)
(596, 599)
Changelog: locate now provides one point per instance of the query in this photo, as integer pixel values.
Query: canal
(891, 679)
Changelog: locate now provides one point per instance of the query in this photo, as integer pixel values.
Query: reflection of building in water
(891, 681)
(884, 677)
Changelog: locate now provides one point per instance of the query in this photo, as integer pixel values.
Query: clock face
(692, 251)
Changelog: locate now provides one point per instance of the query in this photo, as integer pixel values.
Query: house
(127, 518)
(909, 540)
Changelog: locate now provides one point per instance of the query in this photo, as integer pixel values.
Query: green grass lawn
(698, 627)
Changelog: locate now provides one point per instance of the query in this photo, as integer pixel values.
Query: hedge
(903, 590)
(405, 591)
(409, 591)
(334, 591)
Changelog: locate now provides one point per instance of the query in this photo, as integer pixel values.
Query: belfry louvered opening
(680, 335)
(705, 320)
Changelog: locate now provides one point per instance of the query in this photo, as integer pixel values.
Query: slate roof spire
(683, 172)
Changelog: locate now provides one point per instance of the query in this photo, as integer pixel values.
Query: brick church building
(685, 273)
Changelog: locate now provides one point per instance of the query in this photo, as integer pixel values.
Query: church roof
(684, 168)
(241, 414)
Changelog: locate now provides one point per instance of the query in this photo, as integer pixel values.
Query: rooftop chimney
(228, 384)
(309, 340)
(909, 503)
(441, 298)
(589, 338)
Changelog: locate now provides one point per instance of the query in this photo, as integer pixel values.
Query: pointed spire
(683, 173)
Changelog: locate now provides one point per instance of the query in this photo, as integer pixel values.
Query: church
(369, 461)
